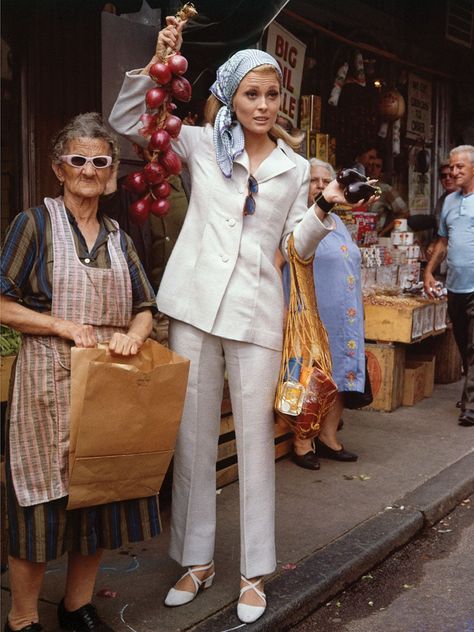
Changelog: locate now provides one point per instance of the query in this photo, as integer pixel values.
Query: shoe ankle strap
(252, 586)
(196, 569)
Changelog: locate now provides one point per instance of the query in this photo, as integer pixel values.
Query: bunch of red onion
(160, 125)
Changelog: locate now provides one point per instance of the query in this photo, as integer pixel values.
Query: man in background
(390, 205)
(447, 182)
(456, 240)
(363, 159)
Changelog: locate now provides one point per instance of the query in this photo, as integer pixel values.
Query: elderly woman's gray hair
(315, 162)
(88, 125)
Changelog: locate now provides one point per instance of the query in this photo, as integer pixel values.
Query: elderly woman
(69, 277)
(337, 283)
(223, 295)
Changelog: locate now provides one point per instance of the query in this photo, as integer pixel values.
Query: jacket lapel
(274, 164)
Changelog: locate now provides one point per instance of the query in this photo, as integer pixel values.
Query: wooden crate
(413, 383)
(227, 467)
(386, 364)
(442, 345)
(6, 365)
(448, 359)
(429, 363)
(392, 323)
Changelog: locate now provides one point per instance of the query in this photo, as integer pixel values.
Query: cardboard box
(386, 364)
(310, 112)
(413, 383)
(6, 365)
(322, 147)
(311, 144)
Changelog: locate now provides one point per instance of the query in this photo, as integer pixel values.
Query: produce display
(10, 341)
(160, 126)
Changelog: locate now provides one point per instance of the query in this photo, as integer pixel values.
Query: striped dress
(40, 529)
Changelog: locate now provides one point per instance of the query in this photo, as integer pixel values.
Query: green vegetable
(10, 341)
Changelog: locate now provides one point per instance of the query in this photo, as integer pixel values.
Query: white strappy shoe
(246, 612)
(176, 597)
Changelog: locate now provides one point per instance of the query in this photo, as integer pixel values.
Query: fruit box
(385, 364)
(393, 323)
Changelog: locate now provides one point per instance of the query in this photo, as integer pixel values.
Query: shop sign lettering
(419, 108)
(289, 52)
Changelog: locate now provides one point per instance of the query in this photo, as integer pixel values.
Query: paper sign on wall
(419, 108)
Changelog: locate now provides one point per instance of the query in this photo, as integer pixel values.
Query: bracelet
(323, 204)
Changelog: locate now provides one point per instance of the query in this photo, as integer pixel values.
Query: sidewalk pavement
(333, 525)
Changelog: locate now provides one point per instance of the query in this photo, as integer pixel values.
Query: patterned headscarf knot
(228, 134)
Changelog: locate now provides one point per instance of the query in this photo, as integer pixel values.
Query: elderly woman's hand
(83, 335)
(125, 344)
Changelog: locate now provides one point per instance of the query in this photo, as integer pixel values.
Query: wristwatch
(323, 204)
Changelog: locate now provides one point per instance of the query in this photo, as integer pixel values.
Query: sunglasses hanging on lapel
(249, 205)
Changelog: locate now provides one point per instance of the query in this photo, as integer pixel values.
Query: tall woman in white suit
(224, 299)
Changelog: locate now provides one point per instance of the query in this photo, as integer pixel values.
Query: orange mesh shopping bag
(305, 390)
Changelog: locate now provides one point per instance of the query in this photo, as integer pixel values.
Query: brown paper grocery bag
(125, 414)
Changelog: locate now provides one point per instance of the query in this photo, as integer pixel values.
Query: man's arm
(439, 253)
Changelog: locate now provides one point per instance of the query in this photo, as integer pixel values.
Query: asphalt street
(424, 587)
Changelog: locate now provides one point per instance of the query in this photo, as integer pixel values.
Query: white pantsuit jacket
(221, 276)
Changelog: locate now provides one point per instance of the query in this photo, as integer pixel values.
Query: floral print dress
(337, 282)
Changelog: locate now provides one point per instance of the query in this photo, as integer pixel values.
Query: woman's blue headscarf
(228, 135)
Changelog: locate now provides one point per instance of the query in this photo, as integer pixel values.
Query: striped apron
(39, 413)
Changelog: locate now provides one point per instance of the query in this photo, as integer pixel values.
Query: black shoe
(466, 418)
(325, 452)
(309, 460)
(81, 620)
(33, 627)
(459, 404)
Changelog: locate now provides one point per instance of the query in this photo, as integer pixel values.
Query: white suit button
(231, 222)
(224, 258)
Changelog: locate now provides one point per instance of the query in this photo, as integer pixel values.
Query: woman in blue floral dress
(337, 280)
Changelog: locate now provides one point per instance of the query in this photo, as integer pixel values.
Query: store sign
(419, 108)
(289, 52)
(419, 184)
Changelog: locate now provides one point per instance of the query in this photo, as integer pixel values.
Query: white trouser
(252, 374)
